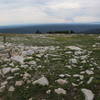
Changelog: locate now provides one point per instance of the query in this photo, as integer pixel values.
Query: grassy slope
(83, 41)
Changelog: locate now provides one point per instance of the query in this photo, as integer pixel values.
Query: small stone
(14, 70)
(32, 63)
(48, 92)
(74, 84)
(6, 70)
(19, 59)
(26, 75)
(89, 72)
(19, 83)
(61, 81)
(42, 81)
(89, 95)
(2, 89)
(61, 75)
(60, 91)
(68, 66)
(11, 89)
(30, 99)
(10, 77)
(74, 48)
(4, 83)
(90, 80)
(73, 61)
(68, 75)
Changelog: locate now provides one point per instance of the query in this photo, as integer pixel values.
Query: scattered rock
(6, 70)
(90, 80)
(19, 83)
(62, 75)
(13, 70)
(4, 83)
(89, 72)
(30, 99)
(73, 61)
(74, 84)
(74, 48)
(26, 76)
(42, 81)
(88, 94)
(61, 81)
(60, 91)
(48, 92)
(2, 89)
(19, 59)
(11, 89)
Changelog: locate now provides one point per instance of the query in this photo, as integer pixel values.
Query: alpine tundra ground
(49, 67)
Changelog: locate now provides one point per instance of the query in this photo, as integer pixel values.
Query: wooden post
(4, 39)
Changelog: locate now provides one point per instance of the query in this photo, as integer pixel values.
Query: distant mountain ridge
(94, 31)
(44, 28)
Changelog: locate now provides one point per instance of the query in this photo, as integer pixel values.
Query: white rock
(68, 66)
(78, 52)
(98, 67)
(48, 92)
(94, 45)
(6, 70)
(82, 72)
(4, 83)
(84, 57)
(0, 72)
(90, 80)
(15, 70)
(30, 99)
(60, 91)
(32, 62)
(39, 66)
(74, 48)
(28, 81)
(88, 94)
(84, 61)
(10, 77)
(42, 81)
(19, 83)
(26, 75)
(2, 46)
(74, 84)
(61, 81)
(68, 52)
(19, 59)
(68, 75)
(28, 52)
(39, 55)
(61, 75)
(80, 76)
(81, 67)
(89, 72)
(76, 75)
(24, 66)
(92, 69)
(11, 89)
(11, 64)
(2, 89)
(81, 82)
(73, 61)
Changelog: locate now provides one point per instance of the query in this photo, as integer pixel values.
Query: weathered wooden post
(4, 39)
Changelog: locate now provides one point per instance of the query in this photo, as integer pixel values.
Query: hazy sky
(49, 11)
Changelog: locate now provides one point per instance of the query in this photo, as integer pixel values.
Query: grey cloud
(57, 9)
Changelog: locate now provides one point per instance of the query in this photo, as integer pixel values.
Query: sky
(49, 11)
